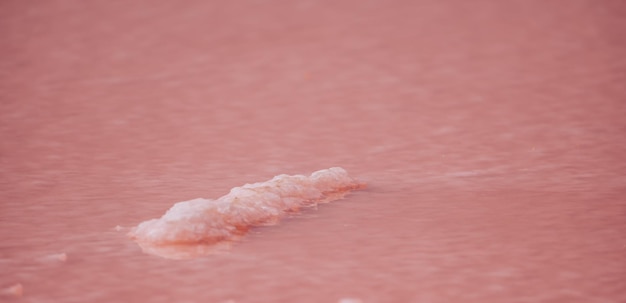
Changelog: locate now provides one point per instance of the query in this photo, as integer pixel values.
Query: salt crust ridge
(205, 221)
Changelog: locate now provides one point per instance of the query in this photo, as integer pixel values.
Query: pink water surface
(492, 136)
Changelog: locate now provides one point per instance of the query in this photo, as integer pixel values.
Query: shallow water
(491, 136)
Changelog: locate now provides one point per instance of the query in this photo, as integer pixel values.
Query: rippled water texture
(490, 135)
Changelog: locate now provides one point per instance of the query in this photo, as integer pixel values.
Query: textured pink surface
(490, 133)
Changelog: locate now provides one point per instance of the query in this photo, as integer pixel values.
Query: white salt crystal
(210, 221)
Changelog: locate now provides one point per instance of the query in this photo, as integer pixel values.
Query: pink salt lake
(491, 135)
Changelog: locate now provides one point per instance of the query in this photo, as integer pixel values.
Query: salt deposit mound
(204, 221)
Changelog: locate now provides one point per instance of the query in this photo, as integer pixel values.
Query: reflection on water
(184, 251)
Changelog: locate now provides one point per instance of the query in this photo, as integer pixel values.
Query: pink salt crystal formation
(204, 221)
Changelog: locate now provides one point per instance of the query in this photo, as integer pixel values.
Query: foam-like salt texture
(203, 221)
